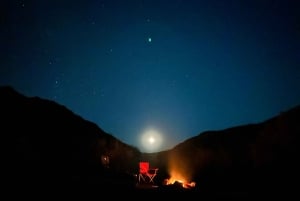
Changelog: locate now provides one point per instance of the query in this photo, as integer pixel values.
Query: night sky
(170, 69)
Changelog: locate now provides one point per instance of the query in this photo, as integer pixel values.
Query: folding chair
(146, 174)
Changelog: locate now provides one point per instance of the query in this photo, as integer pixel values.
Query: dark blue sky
(175, 67)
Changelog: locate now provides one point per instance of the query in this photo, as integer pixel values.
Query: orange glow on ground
(175, 177)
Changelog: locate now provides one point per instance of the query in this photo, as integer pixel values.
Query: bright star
(149, 40)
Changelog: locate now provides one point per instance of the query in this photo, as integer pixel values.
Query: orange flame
(175, 177)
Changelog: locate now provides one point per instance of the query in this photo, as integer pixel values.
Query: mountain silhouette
(248, 160)
(45, 143)
(47, 146)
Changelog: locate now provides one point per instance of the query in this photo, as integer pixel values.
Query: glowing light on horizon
(151, 140)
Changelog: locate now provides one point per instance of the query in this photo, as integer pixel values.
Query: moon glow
(151, 140)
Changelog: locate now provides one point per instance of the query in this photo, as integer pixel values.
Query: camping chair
(146, 173)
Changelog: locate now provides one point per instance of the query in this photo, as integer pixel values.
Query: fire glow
(179, 179)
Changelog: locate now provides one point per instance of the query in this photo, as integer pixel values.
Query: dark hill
(256, 159)
(46, 143)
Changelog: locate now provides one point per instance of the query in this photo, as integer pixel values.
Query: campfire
(178, 179)
(180, 172)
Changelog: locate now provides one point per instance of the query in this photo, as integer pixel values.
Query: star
(149, 39)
